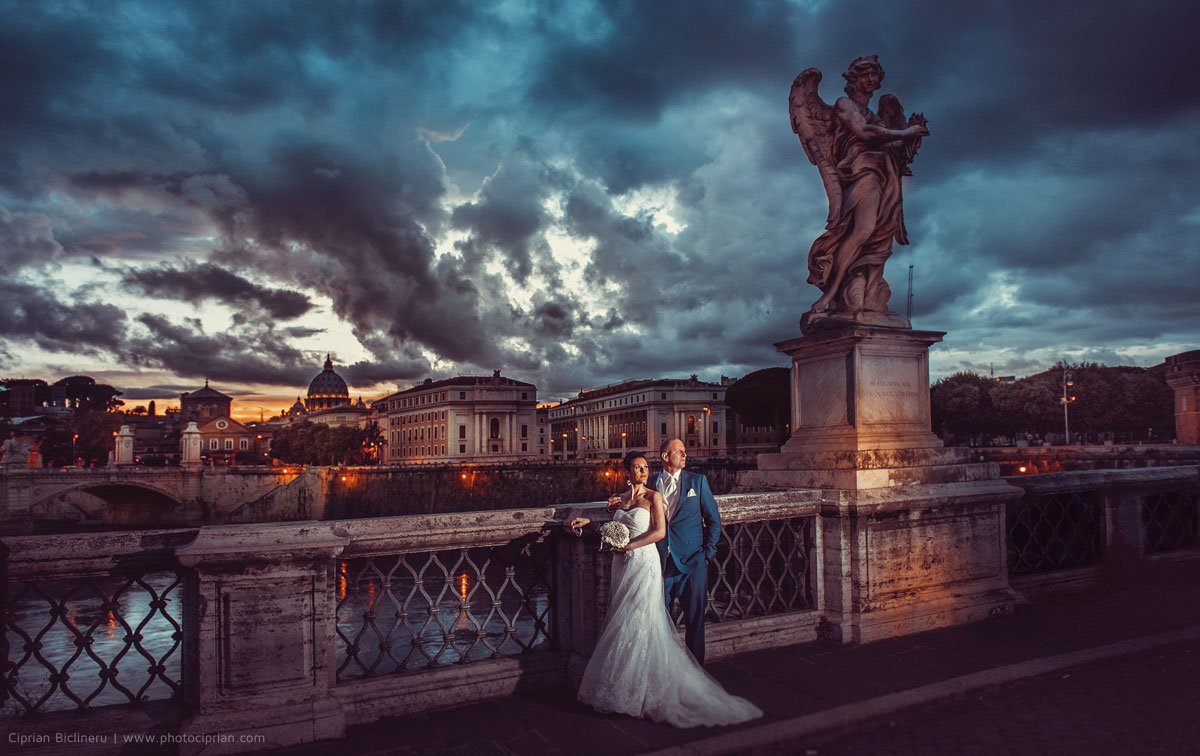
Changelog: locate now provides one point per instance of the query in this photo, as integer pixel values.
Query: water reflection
(421, 610)
(113, 640)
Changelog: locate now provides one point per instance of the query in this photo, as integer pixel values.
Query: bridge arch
(124, 504)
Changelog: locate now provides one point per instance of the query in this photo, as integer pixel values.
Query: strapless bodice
(636, 519)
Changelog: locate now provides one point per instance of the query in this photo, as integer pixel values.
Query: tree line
(1120, 404)
(311, 443)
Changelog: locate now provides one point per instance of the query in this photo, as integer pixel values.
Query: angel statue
(861, 156)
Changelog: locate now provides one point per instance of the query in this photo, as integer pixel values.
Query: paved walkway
(1115, 670)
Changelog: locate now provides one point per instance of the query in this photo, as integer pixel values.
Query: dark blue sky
(574, 192)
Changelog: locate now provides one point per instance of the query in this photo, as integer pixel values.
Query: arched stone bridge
(32, 499)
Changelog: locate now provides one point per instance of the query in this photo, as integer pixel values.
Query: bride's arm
(658, 525)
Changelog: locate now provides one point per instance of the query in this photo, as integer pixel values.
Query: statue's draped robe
(863, 169)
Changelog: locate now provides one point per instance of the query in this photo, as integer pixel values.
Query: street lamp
(622, 444)
(707, 429)
(1068, 382)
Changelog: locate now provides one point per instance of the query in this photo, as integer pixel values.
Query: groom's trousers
(691, 588)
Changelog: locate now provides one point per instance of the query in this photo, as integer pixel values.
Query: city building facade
(225, 441)
(604, 423)
(469, 418)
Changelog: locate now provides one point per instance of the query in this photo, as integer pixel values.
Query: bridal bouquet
(614, 534)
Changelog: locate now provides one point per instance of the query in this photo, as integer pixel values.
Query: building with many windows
(605, 422)
(470, 418)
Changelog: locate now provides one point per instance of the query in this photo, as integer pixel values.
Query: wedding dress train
(640, 667)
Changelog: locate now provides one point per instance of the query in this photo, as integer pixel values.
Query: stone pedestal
(259, 661)
(123, 453)
(190, 451)
(861, 388)
(911, 535)
(1183, 375)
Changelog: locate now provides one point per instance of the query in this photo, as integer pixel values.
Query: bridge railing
(294, 630)
(92, 620)
(1069, 526)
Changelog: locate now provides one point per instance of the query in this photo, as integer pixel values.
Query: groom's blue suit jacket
(695, 527)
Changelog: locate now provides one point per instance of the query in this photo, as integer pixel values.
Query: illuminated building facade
(469, 418)
(603, 423)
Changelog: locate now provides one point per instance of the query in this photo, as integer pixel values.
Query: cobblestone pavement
(1145, 703)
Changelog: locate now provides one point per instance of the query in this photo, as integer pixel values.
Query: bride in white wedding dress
(640, 667)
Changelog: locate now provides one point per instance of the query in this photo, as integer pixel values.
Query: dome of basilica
(327, 390)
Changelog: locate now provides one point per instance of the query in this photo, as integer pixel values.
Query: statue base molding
(813, 322)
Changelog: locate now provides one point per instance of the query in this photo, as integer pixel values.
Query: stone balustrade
(244, 637)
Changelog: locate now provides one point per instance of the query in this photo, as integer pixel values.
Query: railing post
(259, 630)
(582, 578)
(1125, 542)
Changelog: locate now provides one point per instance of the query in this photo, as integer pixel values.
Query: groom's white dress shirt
(668, 486)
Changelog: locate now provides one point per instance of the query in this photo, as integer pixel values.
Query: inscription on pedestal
(890, 390)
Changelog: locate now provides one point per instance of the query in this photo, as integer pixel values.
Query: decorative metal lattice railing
(422, 610)
(1169, 520)
(1054, 531)
(761, 568)
(78, 643)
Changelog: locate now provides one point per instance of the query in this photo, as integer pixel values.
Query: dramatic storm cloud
(573, 192)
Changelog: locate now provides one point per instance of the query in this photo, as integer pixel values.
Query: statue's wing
(811, 120)
(891, 116)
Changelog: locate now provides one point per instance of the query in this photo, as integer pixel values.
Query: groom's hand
(614, 501)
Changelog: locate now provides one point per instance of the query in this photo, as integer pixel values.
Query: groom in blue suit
(693, 528)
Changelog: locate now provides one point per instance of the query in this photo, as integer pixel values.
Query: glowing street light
(1068, 382)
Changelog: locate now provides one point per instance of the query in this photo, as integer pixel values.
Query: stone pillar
(911, 535)
(259, 617)
(1183, 375)
(190, 446)
(124, 450)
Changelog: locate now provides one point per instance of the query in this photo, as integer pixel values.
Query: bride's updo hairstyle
(627, 463)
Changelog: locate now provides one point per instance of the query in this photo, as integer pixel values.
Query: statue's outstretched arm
(852, 119)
